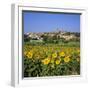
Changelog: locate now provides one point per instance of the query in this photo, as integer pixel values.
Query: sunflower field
(51, 60)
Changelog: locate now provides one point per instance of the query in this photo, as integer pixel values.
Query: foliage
(51, 60)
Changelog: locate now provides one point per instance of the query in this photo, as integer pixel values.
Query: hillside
(52, 36)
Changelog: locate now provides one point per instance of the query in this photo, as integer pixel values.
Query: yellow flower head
(62, 54)
(66, 59)
(78, 50)
(57, 62)
(29, 54)
(54, 55)
(46, 61)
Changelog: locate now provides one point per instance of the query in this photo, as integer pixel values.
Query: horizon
(39, 22)
(49, 32)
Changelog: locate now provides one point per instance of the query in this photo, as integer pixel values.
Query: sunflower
(67, 59)
(29, 54)
(62, 54)
(57, 62)
(78, 51)
(46, 61)
(54, 55)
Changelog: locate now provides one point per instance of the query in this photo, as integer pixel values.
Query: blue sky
(47, 22)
